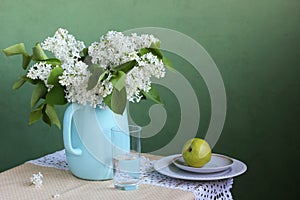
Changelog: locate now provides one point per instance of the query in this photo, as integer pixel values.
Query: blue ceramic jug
(87, 140)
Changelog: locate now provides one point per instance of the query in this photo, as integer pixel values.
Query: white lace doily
(203, 190)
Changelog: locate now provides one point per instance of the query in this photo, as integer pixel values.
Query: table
(59, 183)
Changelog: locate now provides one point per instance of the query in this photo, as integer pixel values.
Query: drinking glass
(126, 157)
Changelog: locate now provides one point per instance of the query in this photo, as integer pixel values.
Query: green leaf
(38, 53)
(52, 116)
(88, 60)
(36, 114)
(46, 118)
(103, 76)
(107, 100)
(97, 73)
(118, 101)
(154, 51)
(153, 95)
(26, 60)
(32, 81)
(39, 92)
(54, 76)
(155, 45)
(85, 52)
(15, 50)
(53, 61)
(168, 64)
(118, 80)
(22, 80)
(18, 49)
(56, 96)
(19, 82)
(125, 67)
(143, 51)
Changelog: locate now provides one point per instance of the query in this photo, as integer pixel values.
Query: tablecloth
(59, 183)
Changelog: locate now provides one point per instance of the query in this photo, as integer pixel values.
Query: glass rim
(131, 128)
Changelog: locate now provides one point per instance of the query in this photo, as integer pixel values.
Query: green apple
(196, 152)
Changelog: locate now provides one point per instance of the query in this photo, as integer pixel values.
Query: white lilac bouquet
(109, 72)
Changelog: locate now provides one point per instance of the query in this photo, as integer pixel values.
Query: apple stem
(190, 149)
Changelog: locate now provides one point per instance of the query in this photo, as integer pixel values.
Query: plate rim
(204, 170)
(168, 160)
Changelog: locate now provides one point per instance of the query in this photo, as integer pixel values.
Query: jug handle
(71, 109)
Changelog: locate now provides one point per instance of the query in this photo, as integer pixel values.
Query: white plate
(166, 167)
(217, 163)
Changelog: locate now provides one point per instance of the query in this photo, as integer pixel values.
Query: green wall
(255, 44)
